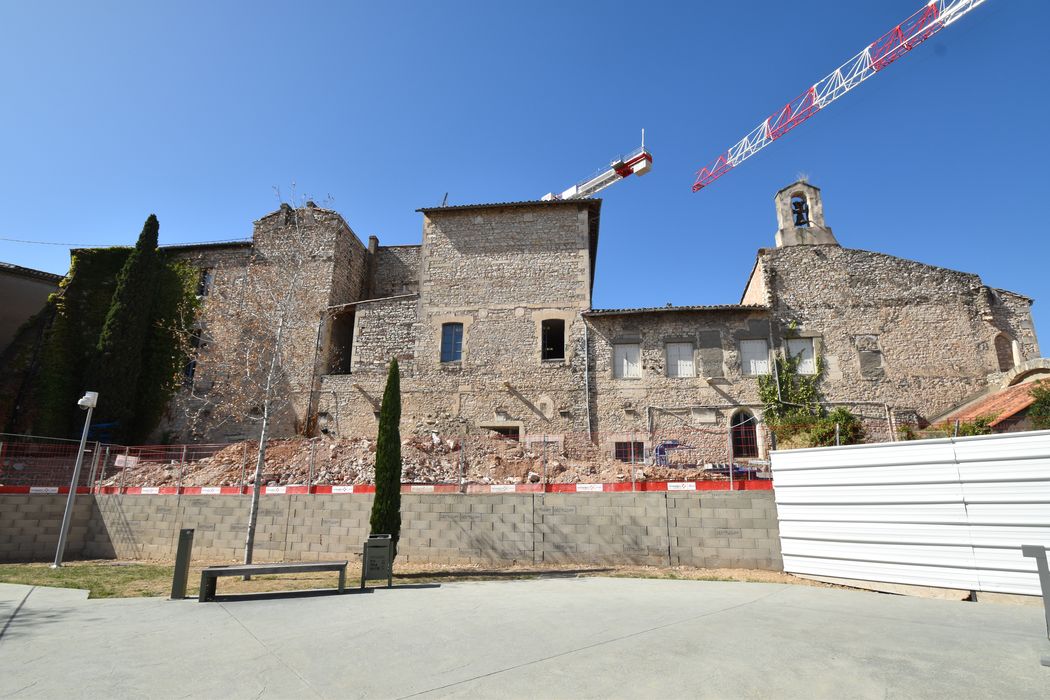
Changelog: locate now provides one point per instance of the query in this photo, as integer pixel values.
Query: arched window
(1004, 352)
(800, 210)
(745, 437)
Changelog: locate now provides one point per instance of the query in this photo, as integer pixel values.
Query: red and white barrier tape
(291, 489)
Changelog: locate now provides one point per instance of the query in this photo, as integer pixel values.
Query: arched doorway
(744, 435)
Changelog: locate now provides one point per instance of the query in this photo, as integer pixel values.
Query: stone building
(24, 292)
(491, 319)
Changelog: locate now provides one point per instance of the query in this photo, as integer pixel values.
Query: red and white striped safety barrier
(291, 489)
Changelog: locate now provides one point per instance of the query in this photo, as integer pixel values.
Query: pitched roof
(998, 406)
(657, 309)
(591, 201)
(30, 272)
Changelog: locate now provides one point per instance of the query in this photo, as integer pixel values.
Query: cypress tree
(386, 508)
(121, 344)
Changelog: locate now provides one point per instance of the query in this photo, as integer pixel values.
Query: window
(629, 451)
(342, 344)
(451, 342)
(553, 339)
(190, 368)
(1004, 352)
(754, 357)
(507, 432)
(745, 437)
(627, 361)
(680, 360)
(802, 348)
(204, 283)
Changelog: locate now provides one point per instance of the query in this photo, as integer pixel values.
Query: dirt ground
(126, 579)
(425, 459)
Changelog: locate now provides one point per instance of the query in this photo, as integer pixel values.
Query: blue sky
(196, 111)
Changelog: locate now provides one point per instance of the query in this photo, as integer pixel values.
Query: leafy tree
(981, 425)
(1039, 412)
(793, 409)
(121, 344)
(386, 509)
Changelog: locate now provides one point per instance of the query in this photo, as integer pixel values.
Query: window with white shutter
(754, 357)
(680, 360)
(627, 361)
(802, 348)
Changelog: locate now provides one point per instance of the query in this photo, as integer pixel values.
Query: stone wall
(703, 529)
(894, 331)
(308, 255)
(499, 271)
(397, 270)
(654, 407)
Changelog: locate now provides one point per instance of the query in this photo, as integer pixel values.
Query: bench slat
(210, 574)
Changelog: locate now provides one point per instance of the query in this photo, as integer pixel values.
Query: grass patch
(115, 579)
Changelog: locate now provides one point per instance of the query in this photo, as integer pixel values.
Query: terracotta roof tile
(998, 406)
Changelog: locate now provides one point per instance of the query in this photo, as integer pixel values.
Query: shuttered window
(754, 357)
(680, 360)
(627, 361)
(802, 348)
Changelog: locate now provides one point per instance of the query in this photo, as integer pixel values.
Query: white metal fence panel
(950, 512)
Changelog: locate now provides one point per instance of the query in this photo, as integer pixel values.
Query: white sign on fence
(126, 461)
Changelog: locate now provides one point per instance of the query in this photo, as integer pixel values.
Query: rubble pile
(490, 459)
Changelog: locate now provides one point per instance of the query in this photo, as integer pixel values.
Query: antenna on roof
(444, 201)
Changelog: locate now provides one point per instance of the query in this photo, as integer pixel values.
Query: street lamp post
(88, 402)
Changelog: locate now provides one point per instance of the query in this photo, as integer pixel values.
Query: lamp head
(88, 400)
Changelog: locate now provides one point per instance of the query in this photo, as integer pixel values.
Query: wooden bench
(210, 575)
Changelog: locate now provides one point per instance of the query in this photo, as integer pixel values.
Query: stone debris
(426, 459)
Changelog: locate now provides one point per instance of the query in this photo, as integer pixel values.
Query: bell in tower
(800, 216)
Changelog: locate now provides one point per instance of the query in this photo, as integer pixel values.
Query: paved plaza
(553, 637)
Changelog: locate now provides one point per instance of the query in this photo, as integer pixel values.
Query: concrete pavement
(588, 637)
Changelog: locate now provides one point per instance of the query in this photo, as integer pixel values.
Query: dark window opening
(342, 344)
(204, 283)
(1004, 352)
(190, 368)
(745, 437)
(553, 332)
(800, 210)
(451, 342)
(629, 451)
(508, 432)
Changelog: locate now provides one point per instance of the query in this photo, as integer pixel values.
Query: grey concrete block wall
(724, 529)
(702, 528)
(29, 526)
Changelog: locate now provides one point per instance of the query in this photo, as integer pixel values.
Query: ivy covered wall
(44, 370)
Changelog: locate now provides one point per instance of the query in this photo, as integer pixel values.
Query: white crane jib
(637, 162)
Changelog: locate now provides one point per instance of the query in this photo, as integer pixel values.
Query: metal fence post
(182, 468)
(837, 441)
(94, 466)
(244, 462)
(544, 460)
(462, 464)
(105, 464)
(310, 473)
(124, 471)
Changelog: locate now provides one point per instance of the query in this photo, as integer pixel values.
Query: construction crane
(637, 162)
(933, 17)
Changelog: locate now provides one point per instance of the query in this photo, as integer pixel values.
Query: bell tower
(800, 216)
